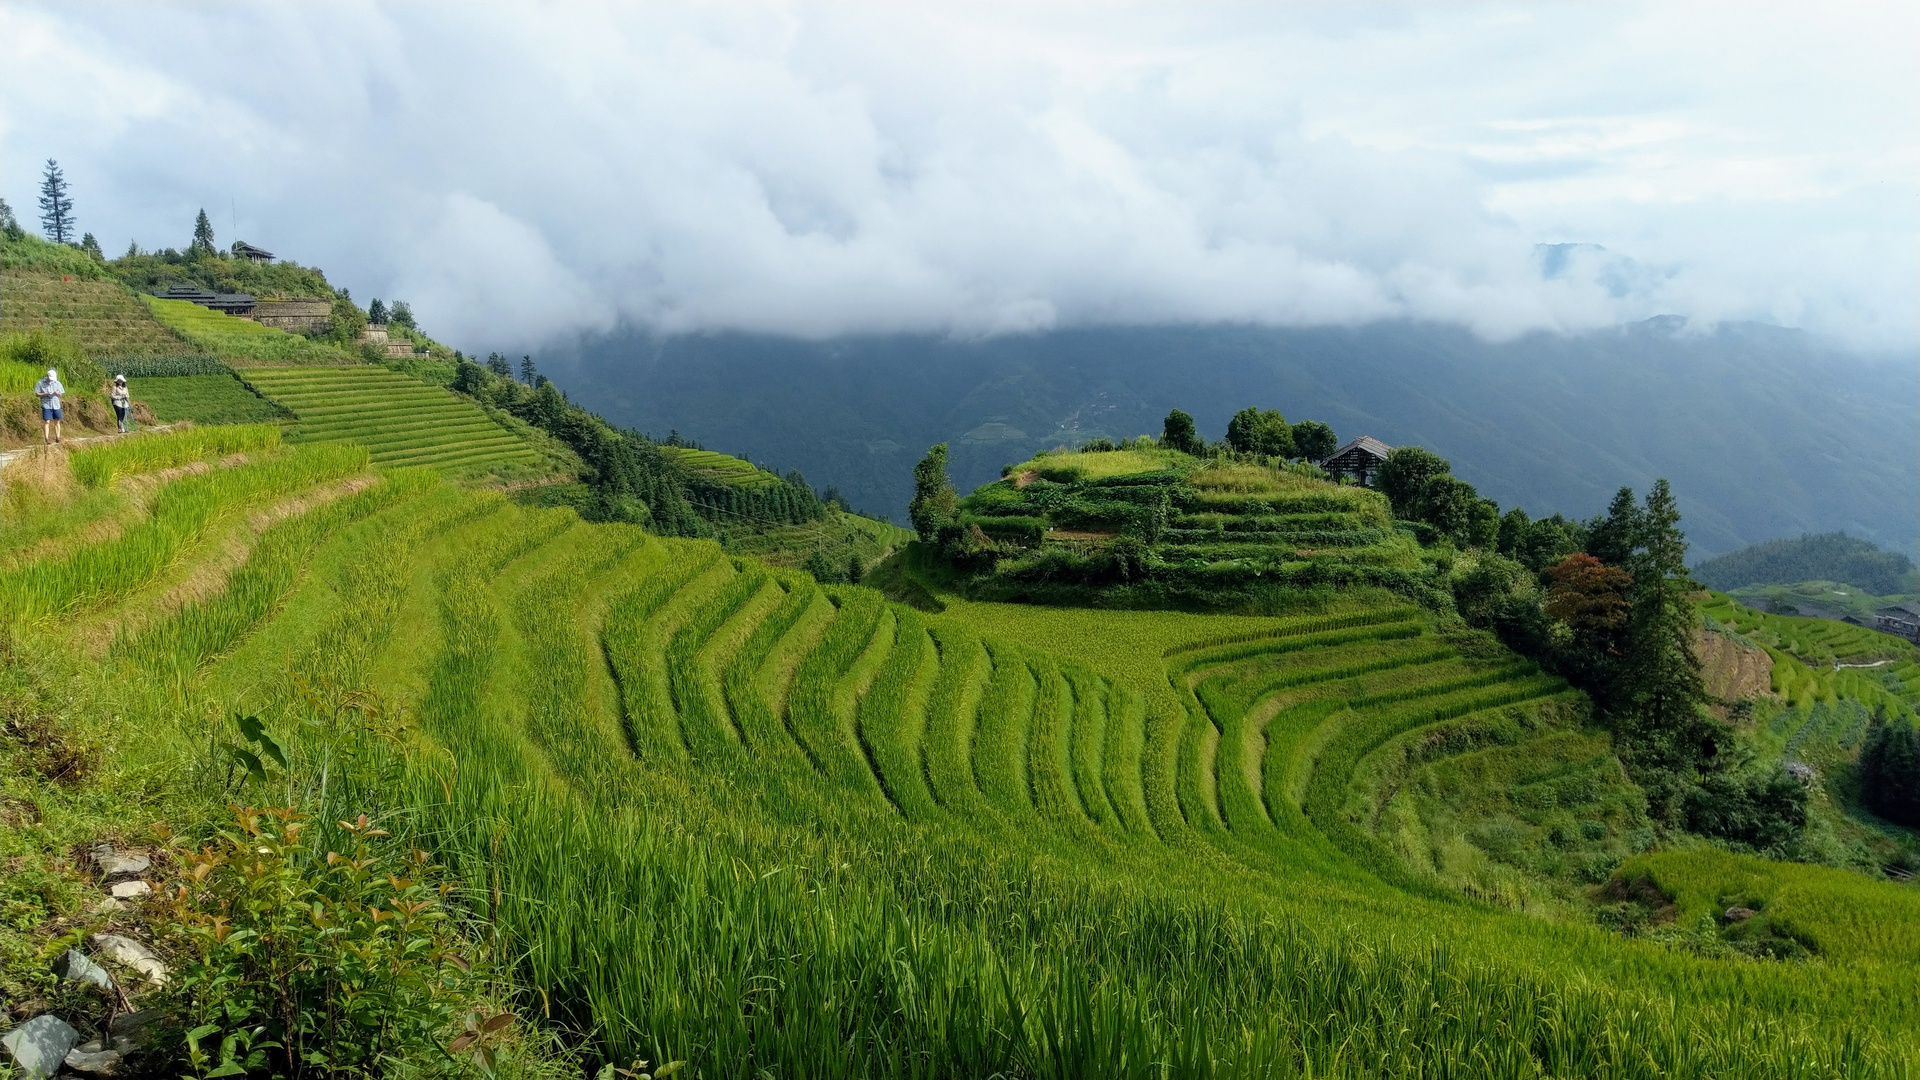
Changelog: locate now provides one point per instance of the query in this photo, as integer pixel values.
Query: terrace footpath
(8, 457)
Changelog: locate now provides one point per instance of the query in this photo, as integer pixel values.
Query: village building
(299, 315)
(1359, 459)
(240, 304)
(1900, 620)
(310, 316)
(252, 254)
(376, 334)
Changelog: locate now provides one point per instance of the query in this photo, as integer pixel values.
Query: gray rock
(39, 1046)
(110, 906)
(1740, 914)
(73, 965)
(99, 1062)
(130, 954)
(130, 1028)
(130, 890)
(121, 867)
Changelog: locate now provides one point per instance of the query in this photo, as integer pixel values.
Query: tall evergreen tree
(528, 373)
(377, 312)
(56, 207)
(499, 366)
(202, 236)
(1657, 698)
(1889, 771)
(934, 500)
(92, 247)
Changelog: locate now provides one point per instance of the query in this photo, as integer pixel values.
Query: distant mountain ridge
(1764, 432)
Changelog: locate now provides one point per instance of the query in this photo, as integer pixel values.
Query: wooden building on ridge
(1358, 459)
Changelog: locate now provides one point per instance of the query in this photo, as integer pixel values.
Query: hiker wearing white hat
(122, 401)
(50, 390)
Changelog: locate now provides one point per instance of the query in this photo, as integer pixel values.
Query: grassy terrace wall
(728, 816)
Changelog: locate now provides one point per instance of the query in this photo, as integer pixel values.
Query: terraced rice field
(402, 421)
(205, 399)
(106, 318)
(727, 816)
(1825, 660)
(724, 468)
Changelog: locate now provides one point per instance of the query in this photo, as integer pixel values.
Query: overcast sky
(519, 173)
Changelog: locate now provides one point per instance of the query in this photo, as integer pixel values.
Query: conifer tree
(377, 312)
(499, 366)
(202, 235)
(1658, 698)
(56, 207)
(528, 374)
(92, 247)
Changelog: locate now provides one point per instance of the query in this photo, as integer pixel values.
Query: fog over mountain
(521, 173)
(1764, 432)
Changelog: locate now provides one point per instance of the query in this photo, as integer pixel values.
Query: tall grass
(183, 510)
(96, 466)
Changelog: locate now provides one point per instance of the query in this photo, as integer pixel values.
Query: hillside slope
(852, 838)
(1555, 424)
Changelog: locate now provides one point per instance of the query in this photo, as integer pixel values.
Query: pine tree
(377, 312)
(56, 208)
(528, 374)
(92, 247)
(499, 366)
(202, 236)
(1658, 699)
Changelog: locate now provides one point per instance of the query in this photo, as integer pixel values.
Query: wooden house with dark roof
(1358, 459)
(240, 304)
(252, 254)
(1900, 620)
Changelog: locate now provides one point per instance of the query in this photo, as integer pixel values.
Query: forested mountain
(1763, 432)
(1826, 557)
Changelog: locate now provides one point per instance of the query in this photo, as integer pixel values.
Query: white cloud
(519, 172)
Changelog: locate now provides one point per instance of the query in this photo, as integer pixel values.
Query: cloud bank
(523, 173)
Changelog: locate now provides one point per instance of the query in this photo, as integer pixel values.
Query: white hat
(119, 378)
(51, 374)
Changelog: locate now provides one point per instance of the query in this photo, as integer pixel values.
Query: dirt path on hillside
(8, 457)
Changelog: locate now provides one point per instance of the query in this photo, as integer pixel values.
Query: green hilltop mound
(1148, 527)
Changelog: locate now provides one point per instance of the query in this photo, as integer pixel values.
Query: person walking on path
(50, 390)
(122, 401)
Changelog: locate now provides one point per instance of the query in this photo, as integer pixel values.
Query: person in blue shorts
(50, 390)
